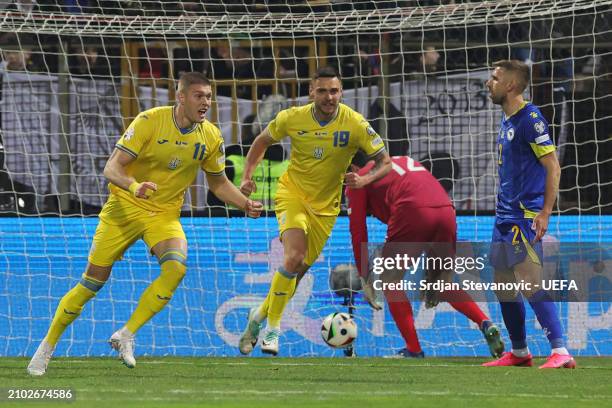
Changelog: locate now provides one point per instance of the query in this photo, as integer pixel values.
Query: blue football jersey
(523, 138)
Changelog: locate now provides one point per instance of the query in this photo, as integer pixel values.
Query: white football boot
(248, 340)
(123, 342)
(269, 344)
(40, 360)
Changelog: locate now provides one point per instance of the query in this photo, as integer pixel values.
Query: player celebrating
(416, 209)
(152, 165)
(528, 183)
(325, 135)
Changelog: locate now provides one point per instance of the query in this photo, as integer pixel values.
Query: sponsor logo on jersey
(301, 132)
(162, 141)
(377, 141)
(128, 134)
(174, 163)
(180, 144)
(320, 134)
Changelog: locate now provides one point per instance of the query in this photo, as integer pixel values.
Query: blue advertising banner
(230, 265)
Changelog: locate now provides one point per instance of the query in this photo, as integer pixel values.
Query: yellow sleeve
(214, 162)
(137, 135)
(278, 126)
(369, 141)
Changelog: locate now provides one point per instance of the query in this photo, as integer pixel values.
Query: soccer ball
(339, 330)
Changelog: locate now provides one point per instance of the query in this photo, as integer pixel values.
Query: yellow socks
(281, 290)
(262, 311)
(159, 293)
(71, 305)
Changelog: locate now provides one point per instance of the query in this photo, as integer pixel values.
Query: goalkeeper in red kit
(416, 209)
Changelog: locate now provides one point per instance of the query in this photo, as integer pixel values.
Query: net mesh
(74, 76)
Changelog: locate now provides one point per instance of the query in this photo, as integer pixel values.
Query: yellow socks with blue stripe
(71, 305)
(281, 290)
(158, 294)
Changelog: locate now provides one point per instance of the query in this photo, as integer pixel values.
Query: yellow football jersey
(167, 157)
(321, 153)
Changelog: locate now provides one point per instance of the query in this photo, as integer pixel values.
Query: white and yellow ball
(339, 330)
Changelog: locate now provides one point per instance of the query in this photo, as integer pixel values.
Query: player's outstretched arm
(226, 191)
(382, 166)
(114, 171)
(255, 155)
(553, 174)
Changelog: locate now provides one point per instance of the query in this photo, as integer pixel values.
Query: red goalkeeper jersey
(408, 185)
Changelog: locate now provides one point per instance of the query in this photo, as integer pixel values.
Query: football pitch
(311, 382)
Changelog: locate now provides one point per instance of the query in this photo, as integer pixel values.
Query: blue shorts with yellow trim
(121, 224)
(512, 242)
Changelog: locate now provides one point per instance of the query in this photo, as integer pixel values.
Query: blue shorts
(512, 241)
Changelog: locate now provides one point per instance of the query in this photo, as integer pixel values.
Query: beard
(498, 100)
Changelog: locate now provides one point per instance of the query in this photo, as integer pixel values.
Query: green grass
(313, 382)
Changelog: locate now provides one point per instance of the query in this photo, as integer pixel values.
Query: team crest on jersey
(318, 152)
(174, 163)
(510, 134)
(128, 134)
(539, 127)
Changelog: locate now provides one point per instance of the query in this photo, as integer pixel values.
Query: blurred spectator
(86, 61)
(427, 63)
(17, 60)
(23, 6)
(190, 59)
(424, 66)
(231, 62)
(266, 175)
(152, 63)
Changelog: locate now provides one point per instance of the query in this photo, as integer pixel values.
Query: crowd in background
(562, 74)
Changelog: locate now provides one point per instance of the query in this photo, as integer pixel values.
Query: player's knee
(294, 262)
(173, 265)
(91, 283)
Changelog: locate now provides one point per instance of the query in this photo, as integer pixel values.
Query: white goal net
(72, 78)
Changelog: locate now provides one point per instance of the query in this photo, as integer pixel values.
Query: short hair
(326, 72)
(519, 68)
(192, 78)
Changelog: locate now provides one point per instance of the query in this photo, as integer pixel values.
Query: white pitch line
(266, 362)
(351, 393)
